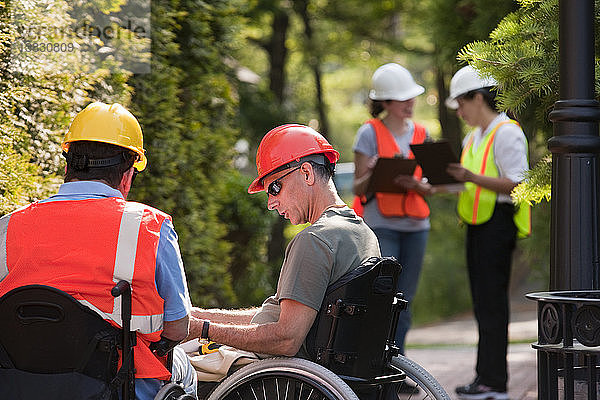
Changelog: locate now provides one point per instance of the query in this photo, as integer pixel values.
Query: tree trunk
(313, 57)
(448, 120)
(277, 59)
(278, 53)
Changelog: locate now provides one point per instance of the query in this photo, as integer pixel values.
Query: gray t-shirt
(336, 243)
(366, 143)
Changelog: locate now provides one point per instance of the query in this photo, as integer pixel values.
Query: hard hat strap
(319, 158)
(81, 161)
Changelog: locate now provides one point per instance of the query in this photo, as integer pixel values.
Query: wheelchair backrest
(45, 330)
(353, 333)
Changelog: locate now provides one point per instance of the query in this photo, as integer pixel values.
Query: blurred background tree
(224, 72)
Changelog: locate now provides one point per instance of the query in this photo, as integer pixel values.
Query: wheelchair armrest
(163, 346)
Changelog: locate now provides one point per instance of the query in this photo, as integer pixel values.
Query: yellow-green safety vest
(476, 204)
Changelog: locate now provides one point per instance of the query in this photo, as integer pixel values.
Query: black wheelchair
(54, 348)
(350, 351)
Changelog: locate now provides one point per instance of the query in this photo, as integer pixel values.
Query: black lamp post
(569, 315)
(575, 147)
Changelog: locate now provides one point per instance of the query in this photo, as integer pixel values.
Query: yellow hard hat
(100, 122)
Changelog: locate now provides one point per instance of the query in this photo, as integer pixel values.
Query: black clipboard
(434, 157)
(386, 169)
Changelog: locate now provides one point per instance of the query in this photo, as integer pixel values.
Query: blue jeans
(409, 250)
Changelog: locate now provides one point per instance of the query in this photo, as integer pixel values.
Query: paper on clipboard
(434, 157)
(386, 169)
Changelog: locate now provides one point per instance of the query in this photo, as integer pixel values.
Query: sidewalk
(448, 350)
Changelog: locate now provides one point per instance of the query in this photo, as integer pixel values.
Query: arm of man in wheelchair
(284, 337)
(232, 317)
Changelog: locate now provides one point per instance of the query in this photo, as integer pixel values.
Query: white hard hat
(464, 80)
(394, 82)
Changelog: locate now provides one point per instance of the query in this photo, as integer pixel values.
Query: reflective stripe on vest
(410, 204)
(3, 229)
(123, 270)
(476, 204)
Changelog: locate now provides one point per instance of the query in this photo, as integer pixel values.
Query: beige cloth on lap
(214, 367)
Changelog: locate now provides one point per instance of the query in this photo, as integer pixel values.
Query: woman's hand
(363, 169)
(460, 173)
(372, 161)
(409, 182)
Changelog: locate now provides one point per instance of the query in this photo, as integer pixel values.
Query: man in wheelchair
(295, 165)
(87, 237)
(336, 302)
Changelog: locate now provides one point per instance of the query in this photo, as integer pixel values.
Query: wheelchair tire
(172, 391)
(429, 388)
(283, 378)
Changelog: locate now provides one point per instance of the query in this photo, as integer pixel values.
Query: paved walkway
(448, 350)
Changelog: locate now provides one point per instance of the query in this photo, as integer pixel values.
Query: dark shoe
(479, 391)
(406, 387)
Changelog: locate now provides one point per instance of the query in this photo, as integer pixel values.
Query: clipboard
(386, 169)
(434, 157)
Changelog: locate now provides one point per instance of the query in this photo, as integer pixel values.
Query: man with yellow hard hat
(87, 237)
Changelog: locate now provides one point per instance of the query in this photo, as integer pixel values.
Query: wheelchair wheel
(172, 391)
(283, 378)
(428, 386)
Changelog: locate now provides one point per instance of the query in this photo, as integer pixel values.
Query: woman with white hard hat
(400, 220)
(493, 161)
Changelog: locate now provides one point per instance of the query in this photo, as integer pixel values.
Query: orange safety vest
(410, 204)
(83, 247)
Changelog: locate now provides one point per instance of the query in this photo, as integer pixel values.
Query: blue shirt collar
(87, 188)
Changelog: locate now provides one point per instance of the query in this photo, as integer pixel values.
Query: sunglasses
(275, 186)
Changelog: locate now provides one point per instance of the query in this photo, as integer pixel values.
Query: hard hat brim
(256, 186)
(451, 103)
(414, 92)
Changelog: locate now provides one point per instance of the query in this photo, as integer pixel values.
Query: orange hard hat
(286, 144)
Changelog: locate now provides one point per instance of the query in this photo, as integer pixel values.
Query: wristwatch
(205, 326)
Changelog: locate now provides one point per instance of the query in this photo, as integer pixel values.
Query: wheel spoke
(277, 386)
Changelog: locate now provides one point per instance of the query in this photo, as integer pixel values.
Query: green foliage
(248, 222)
(19, 178)
(536, 185)
(40, 92)
(451, 24)
(532, 256)
(444, 286)
(522, 54)
(186, 107)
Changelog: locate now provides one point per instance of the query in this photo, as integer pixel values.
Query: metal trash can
(568, 346)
